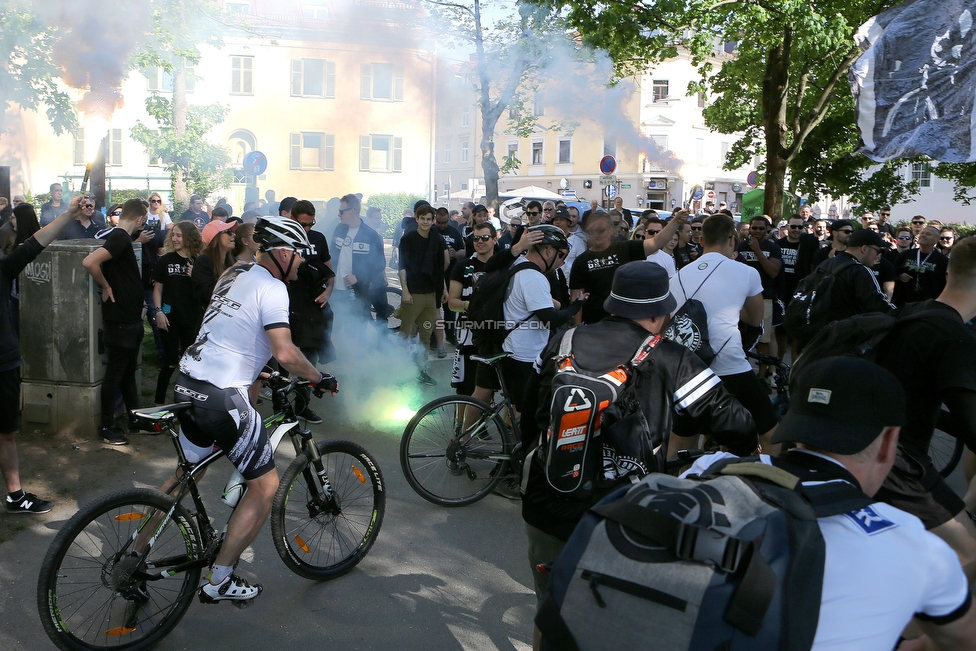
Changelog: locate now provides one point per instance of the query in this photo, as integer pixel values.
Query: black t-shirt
(772, 252)
(423, 260)
(928, 276)
(683, 255)
(467, 272)
(884, 271)
(122, 274)
(199, 219)
(593, 272)
(930, 356)
(797, 262)
(173, 272)
(320, 247)
(452, 238)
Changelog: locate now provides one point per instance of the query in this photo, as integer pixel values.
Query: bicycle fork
(322, 498)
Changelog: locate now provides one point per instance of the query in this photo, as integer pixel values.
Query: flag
(915, 83)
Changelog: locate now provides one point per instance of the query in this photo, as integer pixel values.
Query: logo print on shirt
(869, 521)
(574, 404)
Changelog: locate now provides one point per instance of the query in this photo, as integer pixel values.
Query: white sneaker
(232, 588)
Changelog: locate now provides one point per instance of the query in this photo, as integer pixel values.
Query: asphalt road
(435, 579)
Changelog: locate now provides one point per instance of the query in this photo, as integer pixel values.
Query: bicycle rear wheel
(89, 592)
(447, 466)
(393, 298)
(945, 451)
(323, 538)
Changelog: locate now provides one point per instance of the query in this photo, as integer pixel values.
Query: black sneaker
(509, 488)
(29, 503)
(310, 416)
(424, 378)
(114, 436)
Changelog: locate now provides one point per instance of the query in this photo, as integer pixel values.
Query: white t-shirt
(662, 258)
(577, 245)
(529, 292)
(344, 266)
(881, 568)
(722, 295)
(232, 346)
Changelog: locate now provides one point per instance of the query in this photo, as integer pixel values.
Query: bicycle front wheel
(945, 451)
(451, 465)
(94, 592)
(321, 536)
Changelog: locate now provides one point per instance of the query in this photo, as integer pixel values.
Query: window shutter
(152, 79)
(398, 84)
(246, 77)
(296, 78)
(116, 157)
(329, 162)
(330, 72)
(366, 84)
(364, 152)
(296, 152)
(79, 148)
(398, 154)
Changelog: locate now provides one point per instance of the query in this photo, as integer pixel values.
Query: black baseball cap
(838, 224)
(841, 404)
(561, 213)
(866, 237)
(480, 208)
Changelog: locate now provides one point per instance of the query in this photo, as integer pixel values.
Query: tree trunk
(180, 195)
(489, 165)
(774, 98)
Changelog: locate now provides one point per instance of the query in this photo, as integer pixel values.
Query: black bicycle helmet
(552, 236)
(274, 232)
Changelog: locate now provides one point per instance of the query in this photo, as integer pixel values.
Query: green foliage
(963, 175)
(123, 195)
(392, 205)
(203, 166)
(28, 74)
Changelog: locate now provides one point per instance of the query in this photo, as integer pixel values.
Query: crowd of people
(610, 277)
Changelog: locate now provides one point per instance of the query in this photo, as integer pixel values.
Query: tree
(789, 66)
(199, 166)
(508, 51)
(392, 206)
(28, 75)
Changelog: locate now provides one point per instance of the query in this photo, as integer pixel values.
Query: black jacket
(668, 397)
(856, 290)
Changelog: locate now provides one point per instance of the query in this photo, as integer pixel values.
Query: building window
(464, 186)
(114, 157)
(701, 100)
(565, 151)
(465, 116)
(318, 9)
(447, 191)
(464, 151)
(725, 152)
(447, 153)
(537, 153)
(923, 174)
(539, 104)
(700, 150)
(238, 7)
(312, 151)
(313, 78)
(380, 153)
(659, 90)
(382, 81)
(157, 161)
(610, 148)
(242, 75)
(513, 150)
(240, 177)
(78, 147)
(159, 80)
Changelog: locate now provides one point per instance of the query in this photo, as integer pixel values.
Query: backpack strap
(555, 633)
(565, 346)
(644, 350)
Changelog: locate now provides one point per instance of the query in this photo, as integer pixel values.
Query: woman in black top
(216, 258)
(177, 311)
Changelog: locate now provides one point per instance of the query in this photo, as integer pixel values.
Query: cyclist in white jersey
(244, 326)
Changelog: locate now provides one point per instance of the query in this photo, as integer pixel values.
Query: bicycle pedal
(241, 605)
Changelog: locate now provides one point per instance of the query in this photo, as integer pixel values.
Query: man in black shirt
(797, 249)
(115, 269)
(593, 270)
(195, 213)
(456, 250)
(11, 265)
(765, 257)
(464, 277)
(915, 352)
(922, 271)
(86, 224)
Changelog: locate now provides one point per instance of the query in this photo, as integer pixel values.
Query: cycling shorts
(226, 418)
(917, 487)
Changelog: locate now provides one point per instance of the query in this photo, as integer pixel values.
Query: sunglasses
(885, 214)
(307, 225)
(548, 209)
(918, 223)
(796, 227)
(650, 232)
(117, 213)
(696, 228)
(531, 213)
(342, 210)
(87, 205)
(846, 230)
(481, 238)
(904, 237)
(946, 239)
(155, 201)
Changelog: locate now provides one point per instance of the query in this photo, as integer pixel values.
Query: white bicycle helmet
(274, 232)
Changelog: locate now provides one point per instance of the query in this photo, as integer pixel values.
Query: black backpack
(689, 325)
(598, 436)
(731, 560)
(857, 336)
(486, 309)
(809, 310)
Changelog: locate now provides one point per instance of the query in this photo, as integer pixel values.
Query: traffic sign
(697, 193)
(608, 179)
(610, 191)
(710, 195)
(753, 178)
(569, 194)
(608, 164)
(255, 162)
(737, 187)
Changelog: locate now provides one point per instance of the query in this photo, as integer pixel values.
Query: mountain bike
(122, 571)
(453, 464)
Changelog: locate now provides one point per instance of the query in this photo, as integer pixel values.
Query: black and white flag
(915, 84)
